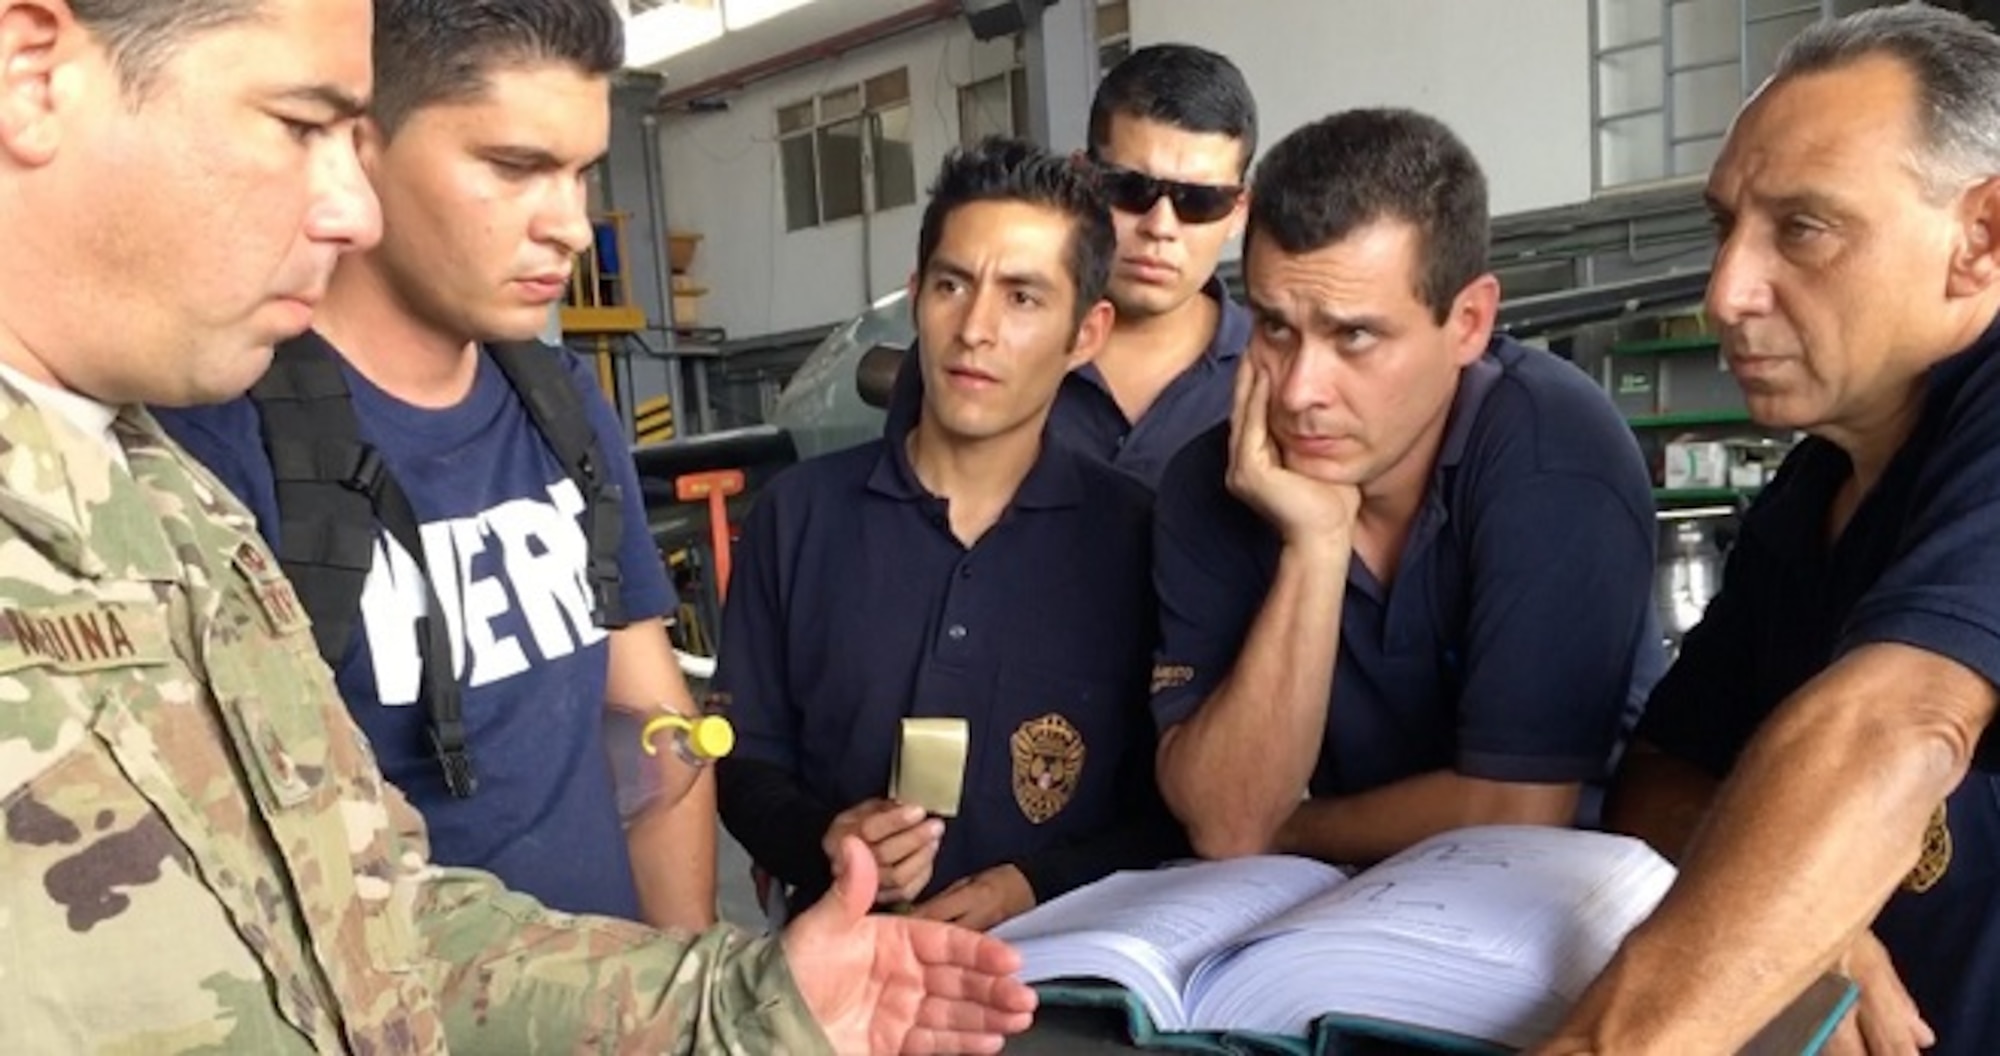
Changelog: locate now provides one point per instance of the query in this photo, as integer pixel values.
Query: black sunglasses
(1193, 203)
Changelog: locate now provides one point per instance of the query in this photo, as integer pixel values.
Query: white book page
(1490, 891)
(1487, 932)
(1146, 930)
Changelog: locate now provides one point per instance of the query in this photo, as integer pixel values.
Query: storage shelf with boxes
(600, 301)
(1668, 377)
(681, 246)
(1670, 380)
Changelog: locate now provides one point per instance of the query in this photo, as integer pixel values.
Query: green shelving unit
(1689, 496)
(1688, 418)
(1673, 373)
(1666, 346)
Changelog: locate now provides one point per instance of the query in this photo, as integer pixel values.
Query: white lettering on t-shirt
(519, 566)
(391, 600)
(494, 657)
(546, 556)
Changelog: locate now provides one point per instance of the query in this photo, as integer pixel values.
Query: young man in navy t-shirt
(961, 568)
(1820, 759)
(486, 115)
(1408, 587)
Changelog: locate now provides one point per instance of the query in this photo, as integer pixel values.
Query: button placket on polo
(955, 644)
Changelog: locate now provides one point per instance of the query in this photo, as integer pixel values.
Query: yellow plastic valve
(706, 738)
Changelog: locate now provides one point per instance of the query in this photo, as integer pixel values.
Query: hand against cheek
(1300, 508)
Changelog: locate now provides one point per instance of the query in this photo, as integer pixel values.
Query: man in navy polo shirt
(964, 568)
(1828, 722)
(1172, 130)
(1409, 582)
(486, 114)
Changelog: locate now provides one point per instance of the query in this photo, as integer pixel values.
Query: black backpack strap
(326, 535)
(332, 489)
(537, 375)
(438, 692)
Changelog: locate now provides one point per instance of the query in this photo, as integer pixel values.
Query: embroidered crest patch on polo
(1048, 761)
(1936, 856)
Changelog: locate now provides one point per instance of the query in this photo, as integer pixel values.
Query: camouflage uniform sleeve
(511, 975)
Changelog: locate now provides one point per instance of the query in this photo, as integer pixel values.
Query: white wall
(1510, 76)
(722, 179)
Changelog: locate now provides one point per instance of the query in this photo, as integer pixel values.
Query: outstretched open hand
(889, 984)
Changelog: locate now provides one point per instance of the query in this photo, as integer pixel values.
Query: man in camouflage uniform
(197, 851)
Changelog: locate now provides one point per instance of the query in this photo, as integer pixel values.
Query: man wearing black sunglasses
(1172, 131)
(1411, 580)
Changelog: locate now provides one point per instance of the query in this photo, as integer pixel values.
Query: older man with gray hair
(1821, 758)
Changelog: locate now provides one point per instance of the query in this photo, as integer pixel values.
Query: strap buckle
(448, 744)
(439, 695)
(367, 473)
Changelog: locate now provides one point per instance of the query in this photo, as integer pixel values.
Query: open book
(1476, 940)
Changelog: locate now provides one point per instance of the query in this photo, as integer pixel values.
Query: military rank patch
(1048, 761)
(1171, 676)
(280, 605)
(1936, 857)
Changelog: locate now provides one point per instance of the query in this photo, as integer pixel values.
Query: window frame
(837, 110)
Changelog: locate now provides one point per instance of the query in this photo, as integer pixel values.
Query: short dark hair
(1181, 85)
(1955, 62)
(141, 35)
(999, 169)
(1339, 174)
(435, 51)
